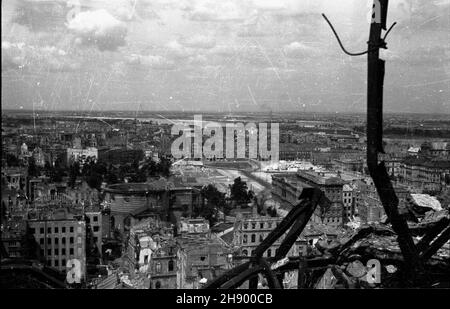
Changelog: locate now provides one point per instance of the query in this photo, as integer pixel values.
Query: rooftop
(321, 178)
(427, 162)
(157, 185)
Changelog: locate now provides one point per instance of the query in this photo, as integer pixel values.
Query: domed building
(24, 149)
(130, 202)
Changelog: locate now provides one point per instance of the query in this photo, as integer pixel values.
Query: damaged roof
(425, 200)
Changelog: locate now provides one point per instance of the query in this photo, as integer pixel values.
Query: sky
(219, 55)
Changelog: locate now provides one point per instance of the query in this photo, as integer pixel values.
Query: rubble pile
(368, 257)
(371, 258)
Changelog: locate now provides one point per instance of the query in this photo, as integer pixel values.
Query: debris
(426, 201)
(356, 269)
(328, 280)
(391, 269)
(280, 263)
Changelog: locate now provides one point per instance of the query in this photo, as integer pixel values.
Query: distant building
(348, 165)
(371, 210)
(193, 226)
(368, 206)
(184, 198)
(286, 190)
(348, 200)
(116, 138)
(290, 151)
(16, 177)
(165, 269)
(425, 174)
(12, 236)
(250, 232)
(127, 200)
(413, 151)
(13, 201)
(160, 198)
(393, 166)
(171, 263)
(287, 187)
(360, 191)
(61, 240)
(325, 156)
(120, 155)
(39, 157)
(95, 222)
(142, 241)
(42, 193)
(201, 258)
(81, 155)
(439, 150)
(24, 153)
(12, 244)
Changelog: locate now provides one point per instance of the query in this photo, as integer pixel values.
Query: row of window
(63, 240)
(55, 263)
(56, 240)
(14, 254)
(250, 252)
(63, 230)
(57, 252)
(252, 238)
(261, 225)
(170, 266)
(334, 220)
(55, 230)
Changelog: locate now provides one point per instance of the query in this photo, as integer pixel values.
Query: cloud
(125, 10)
(216, 11)
(248, 32)
(99, 28)
(289, 7)
(120, 9)
(258, 56)
(298, 50)
(223, 50)
(270, 5)
(58, 65)
(420, 15)
(152, 61)
(48, 58)
(387, 54)
(13, 56)
(289, 36)
(429, 55)
(256, 26)
(199, 41)
(40, 15)
(198, 60)
(177, 51)
(158, 62)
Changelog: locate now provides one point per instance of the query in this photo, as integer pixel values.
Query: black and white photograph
(262, 148)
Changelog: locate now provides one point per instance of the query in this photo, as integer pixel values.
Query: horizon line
(221, 112)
